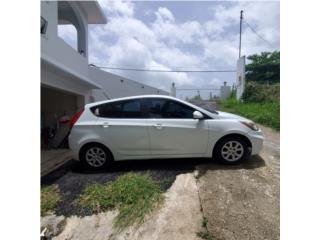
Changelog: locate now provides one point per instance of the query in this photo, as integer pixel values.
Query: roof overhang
(93, 11)
(60, 67)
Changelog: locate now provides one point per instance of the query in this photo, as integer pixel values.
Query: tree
(264, 68)
(197, 97)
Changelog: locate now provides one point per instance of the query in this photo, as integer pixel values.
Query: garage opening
(57, 108)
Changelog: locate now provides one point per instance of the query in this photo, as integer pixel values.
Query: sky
(180, 35)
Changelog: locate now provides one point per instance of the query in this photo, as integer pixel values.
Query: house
(67, 80)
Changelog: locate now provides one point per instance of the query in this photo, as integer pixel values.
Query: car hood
(225, 115)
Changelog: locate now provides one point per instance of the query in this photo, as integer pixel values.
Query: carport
(57, 108)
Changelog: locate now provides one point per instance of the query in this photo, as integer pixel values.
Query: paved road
(242, 202)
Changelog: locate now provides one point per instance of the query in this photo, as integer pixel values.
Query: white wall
(71, 12)
(113, 87)
(49, 11)
(54, 47)
(60, 80)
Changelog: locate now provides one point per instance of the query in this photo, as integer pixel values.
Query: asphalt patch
(72, 178)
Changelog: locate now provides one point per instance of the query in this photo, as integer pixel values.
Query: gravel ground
(72, 178)
(243, 201)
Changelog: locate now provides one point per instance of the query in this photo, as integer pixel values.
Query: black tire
(101, 151)
(231, 157)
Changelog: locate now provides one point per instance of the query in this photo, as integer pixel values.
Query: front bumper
(256, 138)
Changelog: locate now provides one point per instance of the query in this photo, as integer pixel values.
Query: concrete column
(173, 90)
(225, 91)
(241, 73)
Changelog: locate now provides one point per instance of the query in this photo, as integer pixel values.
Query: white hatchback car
(154, 127)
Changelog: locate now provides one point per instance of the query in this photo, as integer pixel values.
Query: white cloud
(166, 42)
(216, 82)
(164, 15)
(167, 30)
(123, 8)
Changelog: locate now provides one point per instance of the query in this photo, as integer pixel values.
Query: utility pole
(241, 17)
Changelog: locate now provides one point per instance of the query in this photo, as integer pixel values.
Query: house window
(44, 24)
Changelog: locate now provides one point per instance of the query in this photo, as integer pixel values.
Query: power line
(161, 70)
(198, 67)
(195, 89)
(253, 30)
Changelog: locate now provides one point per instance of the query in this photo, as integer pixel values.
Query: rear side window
(123, 109)
(131, 109)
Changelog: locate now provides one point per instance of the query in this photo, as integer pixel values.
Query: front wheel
(231, 150)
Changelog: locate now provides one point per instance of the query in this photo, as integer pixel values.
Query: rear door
(123, 127)
(172, 129)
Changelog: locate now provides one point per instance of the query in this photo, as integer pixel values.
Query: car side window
(154, 107)
(131, 109)
(123, 109)
(174, 109)
(163, 108)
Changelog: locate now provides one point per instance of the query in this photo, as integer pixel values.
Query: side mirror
(197, 115)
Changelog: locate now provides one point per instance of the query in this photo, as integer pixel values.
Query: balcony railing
(60, 51)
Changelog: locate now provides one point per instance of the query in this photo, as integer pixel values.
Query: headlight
(250, 125)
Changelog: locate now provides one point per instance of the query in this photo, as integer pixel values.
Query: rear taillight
(75, 118)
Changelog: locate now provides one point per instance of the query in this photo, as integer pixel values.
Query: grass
(205, 234)
(267, 114)
(134, 195)
(50, 197)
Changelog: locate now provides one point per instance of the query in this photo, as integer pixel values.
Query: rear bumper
(74, 147)
(256, 138)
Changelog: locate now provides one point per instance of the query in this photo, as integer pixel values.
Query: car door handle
(105, 125)
(158, 126)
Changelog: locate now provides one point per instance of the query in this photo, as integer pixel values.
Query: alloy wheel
(96, 157)
(232, 151)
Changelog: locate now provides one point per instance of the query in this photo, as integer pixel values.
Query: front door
(172, 129)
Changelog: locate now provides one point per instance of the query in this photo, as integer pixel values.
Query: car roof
(131, 97)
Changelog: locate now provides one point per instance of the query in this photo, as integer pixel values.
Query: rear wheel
(231, 150)
(95, 156)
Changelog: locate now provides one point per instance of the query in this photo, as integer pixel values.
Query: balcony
(54, 49)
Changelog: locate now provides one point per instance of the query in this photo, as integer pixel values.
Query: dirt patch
(242, 202)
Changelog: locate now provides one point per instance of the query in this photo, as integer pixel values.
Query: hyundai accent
(157, 127)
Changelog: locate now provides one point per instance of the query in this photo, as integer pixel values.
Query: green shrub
(264, 113)
(134, 195)
(50, 197)
(261, 93)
